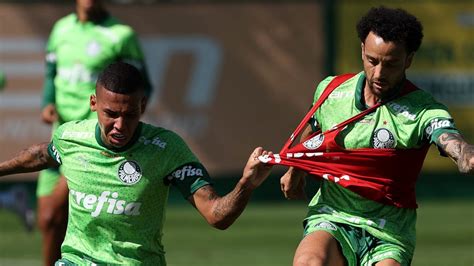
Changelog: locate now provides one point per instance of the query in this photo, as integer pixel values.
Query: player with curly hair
(366, 138)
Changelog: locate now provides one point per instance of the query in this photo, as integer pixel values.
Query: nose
(119, 123)
(379, 72)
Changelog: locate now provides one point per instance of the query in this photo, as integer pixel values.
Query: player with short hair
(119, 171)
(367, 138)
(80, 45)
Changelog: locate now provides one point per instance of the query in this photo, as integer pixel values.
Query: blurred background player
(365, 210)
(79, 47)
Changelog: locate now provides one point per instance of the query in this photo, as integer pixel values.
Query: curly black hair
(393, 25)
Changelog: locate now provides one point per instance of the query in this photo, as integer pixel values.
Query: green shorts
(358, 246)
(48, 178)
(47, 181)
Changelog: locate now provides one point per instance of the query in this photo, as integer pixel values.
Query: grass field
(267, 234)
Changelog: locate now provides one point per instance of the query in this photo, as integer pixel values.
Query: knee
(45, 219)
(50, 218)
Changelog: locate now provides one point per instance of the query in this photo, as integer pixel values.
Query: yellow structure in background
(444, 65)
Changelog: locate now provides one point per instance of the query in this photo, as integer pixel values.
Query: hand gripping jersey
(117, 198)
(383, 173)
(76, 53)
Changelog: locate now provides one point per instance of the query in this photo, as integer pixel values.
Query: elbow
(466, 167)
(220, 224)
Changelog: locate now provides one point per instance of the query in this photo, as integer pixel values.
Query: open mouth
(118, 138)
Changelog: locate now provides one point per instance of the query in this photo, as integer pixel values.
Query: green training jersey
(76, 53)
(410, 121)
(117, 198)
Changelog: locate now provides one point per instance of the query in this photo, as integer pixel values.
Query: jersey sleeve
(435, 121)
(49, 89)
(55, 149)
(313, 122)
(187, 173)
(188, 178)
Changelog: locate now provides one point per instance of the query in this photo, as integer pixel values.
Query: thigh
(47, 180)
(387, 254)
(319, 248)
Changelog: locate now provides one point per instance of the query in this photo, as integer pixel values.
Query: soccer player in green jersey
(342, 227)
(79, 47)
(118, 172)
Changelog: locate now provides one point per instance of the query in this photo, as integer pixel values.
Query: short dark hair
(120, 77)
(393, 25)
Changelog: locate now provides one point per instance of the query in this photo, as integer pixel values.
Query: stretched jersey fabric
(117, 198)
(408, 122)
(76, 53)
(372, 173)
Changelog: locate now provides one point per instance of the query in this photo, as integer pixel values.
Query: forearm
(466, 160)
(459, 150)
(225, 210)
(32, 159)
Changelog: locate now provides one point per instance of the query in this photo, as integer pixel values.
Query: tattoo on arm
(30, 159)
(451, 144)
(459, 150)
(223, 210)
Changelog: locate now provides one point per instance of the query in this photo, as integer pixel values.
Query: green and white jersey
(410, 121)
(117, 198)
(76, 53)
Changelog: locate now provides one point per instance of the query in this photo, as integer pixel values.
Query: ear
(362, 47)
(409, 60)
(144, 104)
(93, 103)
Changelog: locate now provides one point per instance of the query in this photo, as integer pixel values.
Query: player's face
(88, 4)
(118, 115)
(384, 65)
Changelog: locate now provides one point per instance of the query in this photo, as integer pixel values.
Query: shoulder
(160, 136)
(76, 129)
(119, 28)
(350, 81)
(65, 22)
(421, 100)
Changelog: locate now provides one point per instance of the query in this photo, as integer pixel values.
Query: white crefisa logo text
(129, 172)
(108, 202)
(156, 141)
(186, 171)
(403, 110)
(437, 124)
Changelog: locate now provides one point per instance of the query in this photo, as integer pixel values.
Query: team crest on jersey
(93, 48)
(129, 172)
(383, 139)
(314, 142)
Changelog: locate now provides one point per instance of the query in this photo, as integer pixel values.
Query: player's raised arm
(292, 183)
(221, 212)
(454, 145)
(31, 159)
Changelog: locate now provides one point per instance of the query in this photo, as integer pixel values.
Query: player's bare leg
(318, 248)
(387, 262)
(52, 221)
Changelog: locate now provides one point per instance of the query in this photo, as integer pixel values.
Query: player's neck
(94, 15)
(370, 99)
